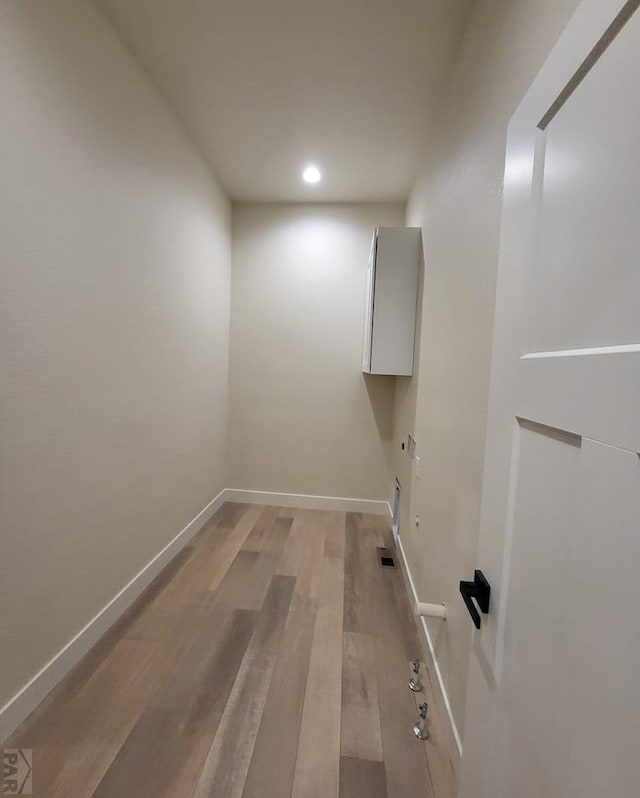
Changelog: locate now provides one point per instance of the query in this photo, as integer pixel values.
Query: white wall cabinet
(391, 295)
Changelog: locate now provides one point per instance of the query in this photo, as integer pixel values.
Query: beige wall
(457, 202)
(114, 291)
(303, 418)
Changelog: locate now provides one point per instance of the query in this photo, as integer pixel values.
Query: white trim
(18, 708)
(422, 626)
(621, 349)
(301, 500)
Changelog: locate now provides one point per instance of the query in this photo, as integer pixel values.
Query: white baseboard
(301, 500)
(18, 708)
(428, 643)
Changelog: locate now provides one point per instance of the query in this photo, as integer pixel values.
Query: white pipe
(431, 610)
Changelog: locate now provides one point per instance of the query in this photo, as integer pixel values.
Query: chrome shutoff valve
(421, 728)
(414, 683)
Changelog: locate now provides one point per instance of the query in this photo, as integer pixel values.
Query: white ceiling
(265, 86)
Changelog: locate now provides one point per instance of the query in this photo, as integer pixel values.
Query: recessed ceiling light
(312, 174)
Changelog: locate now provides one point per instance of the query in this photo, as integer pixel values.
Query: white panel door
(553, 707)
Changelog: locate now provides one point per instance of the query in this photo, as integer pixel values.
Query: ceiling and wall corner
(264, 87)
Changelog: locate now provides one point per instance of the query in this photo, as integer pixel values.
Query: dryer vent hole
(386, 559)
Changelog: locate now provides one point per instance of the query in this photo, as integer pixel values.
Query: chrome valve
(414, 683)
(421, 728)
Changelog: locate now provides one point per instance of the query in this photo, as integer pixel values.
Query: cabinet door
(368, 308)
(394, 306)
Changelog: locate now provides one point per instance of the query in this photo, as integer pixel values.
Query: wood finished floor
(269, 660)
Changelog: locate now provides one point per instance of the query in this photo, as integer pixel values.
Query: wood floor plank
(372, 607)
(360, 564)
(208, 707)
(437, 747)
(191, 582)
(360, 727)
(235, 583)
(405, 760)
(225, 770)
(227, 552)
(260, 530)
(274, 754)
(335, 531)
(126, 621)
(247, 580)
(377, 530)
(267, 560)
(310, 571)
(362, 779)
(211, 533)
(443, 777)
(168, 745)
(151, 624)
(122, 701)
(406, 623)
(223, 521)
(291, 558)
(317, 771)
(117, 694)
(66, 722)
(61, 697)
(231, 513)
